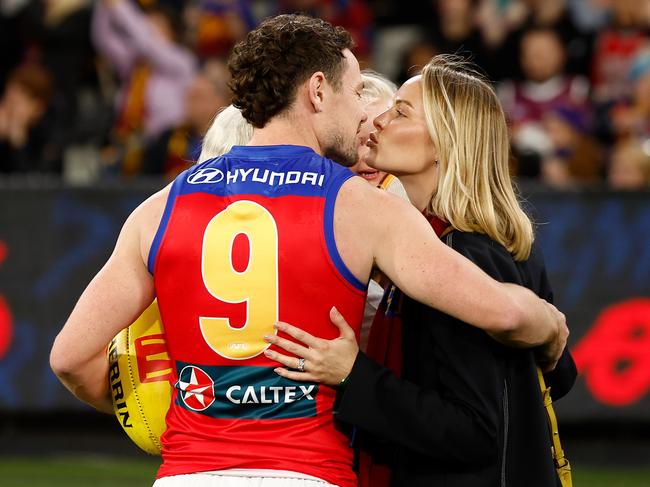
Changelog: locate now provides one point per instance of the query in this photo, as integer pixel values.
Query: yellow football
(139, 371)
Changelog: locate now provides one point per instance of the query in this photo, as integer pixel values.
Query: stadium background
(83, 149)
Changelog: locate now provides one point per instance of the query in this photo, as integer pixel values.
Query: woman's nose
(381, 120)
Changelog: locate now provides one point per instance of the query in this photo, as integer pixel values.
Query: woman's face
(361, 168)
(401, 144)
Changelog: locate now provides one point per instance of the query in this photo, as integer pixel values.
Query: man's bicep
(406, 252)
(402, 237)
(117, 295)
(436, 275)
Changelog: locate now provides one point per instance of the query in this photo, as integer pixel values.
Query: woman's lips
(372, 140)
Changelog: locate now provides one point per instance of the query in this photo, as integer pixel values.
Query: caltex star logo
(196, 388)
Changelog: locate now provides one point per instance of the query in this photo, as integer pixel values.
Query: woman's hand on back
(326, 361)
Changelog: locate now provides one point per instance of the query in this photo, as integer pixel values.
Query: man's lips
(368, 175)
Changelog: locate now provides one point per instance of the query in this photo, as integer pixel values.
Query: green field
(103, 471)
(77, 472)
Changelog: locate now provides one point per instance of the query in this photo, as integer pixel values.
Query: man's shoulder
(356, 193)
(372, 210)
(360, 189)
(151, 209)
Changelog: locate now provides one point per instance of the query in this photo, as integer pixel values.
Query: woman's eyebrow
(404, 102)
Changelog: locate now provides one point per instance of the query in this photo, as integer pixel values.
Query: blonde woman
(466, 410)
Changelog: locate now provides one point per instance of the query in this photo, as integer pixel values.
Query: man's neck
(286, 131)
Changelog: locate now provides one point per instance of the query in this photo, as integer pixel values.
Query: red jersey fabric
(246, 240)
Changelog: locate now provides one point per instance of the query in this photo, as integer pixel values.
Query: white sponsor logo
(269, 394)
(206, 176)
(212, 175)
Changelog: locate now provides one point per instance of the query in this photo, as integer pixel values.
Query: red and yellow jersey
(246, 240)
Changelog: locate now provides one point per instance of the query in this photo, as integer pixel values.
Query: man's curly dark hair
(273, 60)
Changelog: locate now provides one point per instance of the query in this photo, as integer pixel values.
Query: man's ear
(316, 86)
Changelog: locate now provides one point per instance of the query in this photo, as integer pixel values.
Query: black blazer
(467, 411)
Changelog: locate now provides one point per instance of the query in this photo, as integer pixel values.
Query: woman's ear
(316, 87)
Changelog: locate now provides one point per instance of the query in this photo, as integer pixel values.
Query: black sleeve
(459, 419)
(563, 377)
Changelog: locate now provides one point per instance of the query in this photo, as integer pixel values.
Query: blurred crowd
(97, 89)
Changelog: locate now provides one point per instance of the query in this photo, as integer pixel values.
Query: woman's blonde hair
(468, 128)
(229, 128)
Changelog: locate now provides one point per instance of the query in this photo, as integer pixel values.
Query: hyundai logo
(208, 175)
